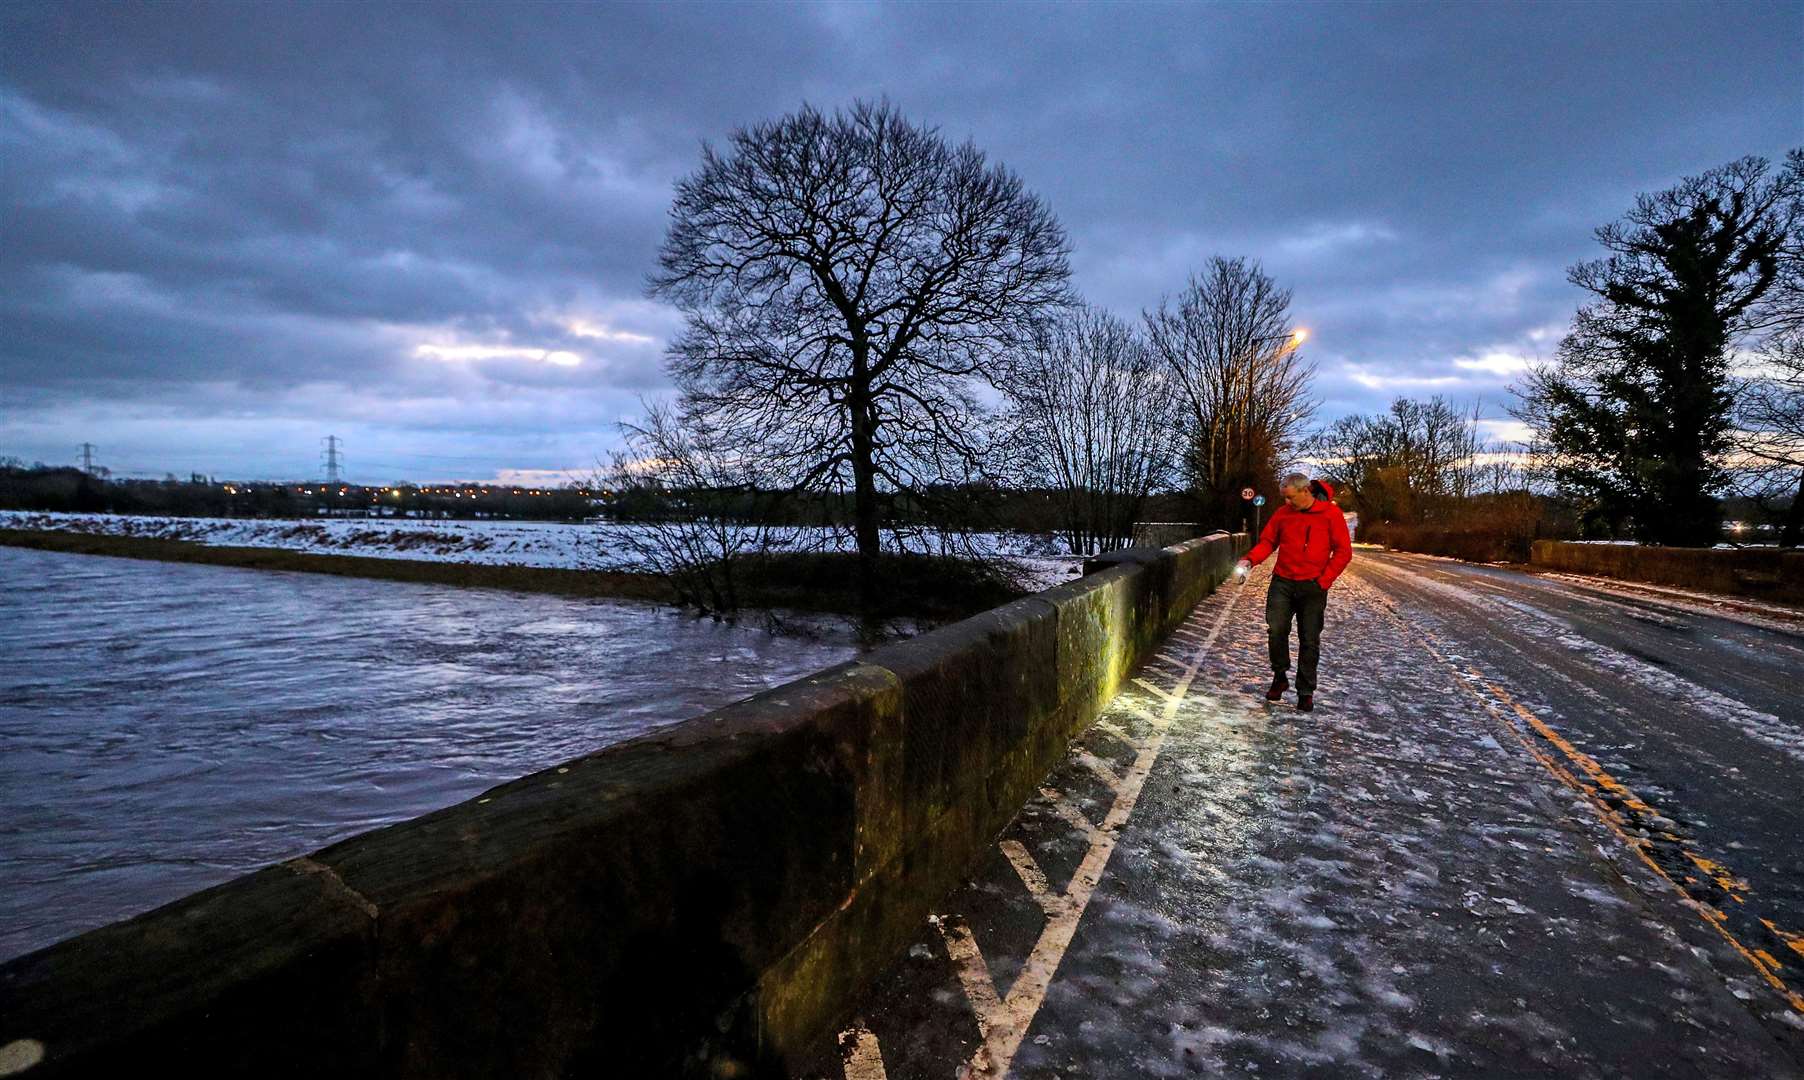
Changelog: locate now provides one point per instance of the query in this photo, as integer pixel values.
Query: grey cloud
(213, 211)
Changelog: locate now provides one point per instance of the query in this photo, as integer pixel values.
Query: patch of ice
(1587, 891)
(1762, 726)
(1765, 616)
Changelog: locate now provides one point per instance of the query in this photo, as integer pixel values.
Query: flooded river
(165, 727)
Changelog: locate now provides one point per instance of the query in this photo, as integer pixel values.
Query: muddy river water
(166, 727)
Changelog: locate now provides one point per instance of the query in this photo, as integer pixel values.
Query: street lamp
(1288, 341)
(1285, 343)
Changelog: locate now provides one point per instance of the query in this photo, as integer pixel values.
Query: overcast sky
(228, 231)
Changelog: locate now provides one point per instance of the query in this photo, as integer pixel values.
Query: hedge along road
(1530, 829)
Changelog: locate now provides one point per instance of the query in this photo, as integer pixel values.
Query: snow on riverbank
(489, 543)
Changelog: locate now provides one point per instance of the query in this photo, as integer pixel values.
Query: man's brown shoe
(1279, 685)
(1305, 702)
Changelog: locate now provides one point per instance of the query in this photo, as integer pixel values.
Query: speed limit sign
(1246, 493)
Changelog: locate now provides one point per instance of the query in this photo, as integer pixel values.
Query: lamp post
(1286, 342)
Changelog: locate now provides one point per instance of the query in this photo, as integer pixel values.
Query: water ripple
(165, 727)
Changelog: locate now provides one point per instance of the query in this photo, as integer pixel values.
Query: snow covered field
(490, 543)
(1637, 543)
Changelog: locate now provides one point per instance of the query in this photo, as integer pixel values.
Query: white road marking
(1068, 810)
(1151, 689)
(1032, 876)
(1138, 710)
(1101, 768)
(973, 970)
(864, 1058)
(1003, 1021)
(1112, 728)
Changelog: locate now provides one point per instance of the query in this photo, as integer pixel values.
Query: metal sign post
(1258, 501)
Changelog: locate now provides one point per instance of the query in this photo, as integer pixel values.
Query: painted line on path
(1003, 1020)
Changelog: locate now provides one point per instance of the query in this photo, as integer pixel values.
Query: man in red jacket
(1310, 535)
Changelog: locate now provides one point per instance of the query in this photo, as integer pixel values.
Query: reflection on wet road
(1415, 880)
(1686, 725)
(165, 727)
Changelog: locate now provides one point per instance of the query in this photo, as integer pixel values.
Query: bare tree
(847, 281)
(1419, 461)
(703, 506)
(1446, 461)
(1499, 471)
(1232, 354)
(1092, 417)
(1769, 414)
(1358, 455)
(1770, 429)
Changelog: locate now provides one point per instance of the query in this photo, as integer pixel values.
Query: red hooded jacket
(1313, 544)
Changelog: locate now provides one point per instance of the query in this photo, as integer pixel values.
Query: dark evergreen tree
(1634, 418)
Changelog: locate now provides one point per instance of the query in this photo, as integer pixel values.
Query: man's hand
(1241, 568)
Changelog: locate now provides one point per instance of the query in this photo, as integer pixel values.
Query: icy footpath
(485, 543)
(1389, 887)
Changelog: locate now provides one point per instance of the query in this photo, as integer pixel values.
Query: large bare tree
(1232, 354)
(848, 280)
(1093, 418)
(1770, 401)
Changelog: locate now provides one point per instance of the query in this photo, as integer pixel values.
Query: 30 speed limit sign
(1246, 493)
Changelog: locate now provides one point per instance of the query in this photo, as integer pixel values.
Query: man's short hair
(1296, 481)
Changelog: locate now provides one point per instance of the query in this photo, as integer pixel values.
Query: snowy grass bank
(481, 543)
(535, 556)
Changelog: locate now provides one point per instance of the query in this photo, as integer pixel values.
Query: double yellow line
(1617, 805)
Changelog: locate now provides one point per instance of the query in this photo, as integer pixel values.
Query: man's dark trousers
(1308, 602)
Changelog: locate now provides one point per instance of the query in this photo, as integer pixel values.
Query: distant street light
(1285, 342)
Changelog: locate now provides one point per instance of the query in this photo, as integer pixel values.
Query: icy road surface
(1534, 828)
(165, 727)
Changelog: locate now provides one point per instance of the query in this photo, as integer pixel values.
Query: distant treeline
(976, 508)
(48, 488)
(979, 508)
